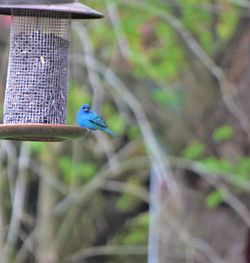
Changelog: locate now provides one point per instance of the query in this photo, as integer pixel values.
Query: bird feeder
(37, 80)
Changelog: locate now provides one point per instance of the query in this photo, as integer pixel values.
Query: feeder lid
(40, 132)
(74, 7)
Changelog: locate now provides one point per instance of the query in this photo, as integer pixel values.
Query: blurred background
(172, 80)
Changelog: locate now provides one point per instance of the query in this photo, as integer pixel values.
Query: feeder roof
(74, 7)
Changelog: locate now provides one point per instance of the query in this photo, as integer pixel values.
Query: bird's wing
(98, 120)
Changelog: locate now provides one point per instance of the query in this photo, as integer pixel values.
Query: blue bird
(87, 118)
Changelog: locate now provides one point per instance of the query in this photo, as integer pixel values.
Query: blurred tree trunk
(2, 228)
(46, 251)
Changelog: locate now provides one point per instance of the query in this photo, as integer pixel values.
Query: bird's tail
(109, 132)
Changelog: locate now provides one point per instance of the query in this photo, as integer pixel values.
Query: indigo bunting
(87, 118)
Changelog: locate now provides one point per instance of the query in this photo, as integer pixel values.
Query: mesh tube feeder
(36, 89)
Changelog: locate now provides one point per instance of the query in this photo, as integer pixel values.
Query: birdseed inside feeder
(36, 90)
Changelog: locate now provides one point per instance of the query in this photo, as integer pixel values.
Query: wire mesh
(37, 78)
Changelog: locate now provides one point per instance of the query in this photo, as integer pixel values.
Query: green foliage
(153, 49)
(141, 49)
(193, 151)
(116, 123)
(114, 119)
(85, 170)
(37, 147)
(242, 167)
(228, 20)
(133, 132)
(215, 164)
(128, 200)
(147, 38)
(76, 97)
(214, 199)
(125, 202)
(223, 133)
(1, 113)
(199, 21)
(137, 231)
(239, 173)
(170, 98)
(65, 166)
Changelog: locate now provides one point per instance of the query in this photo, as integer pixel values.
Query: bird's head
(86, 108)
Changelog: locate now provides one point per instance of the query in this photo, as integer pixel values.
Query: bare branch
(131, 189)
(11, 152)
(215, 180)
(96, 84)
(120, 36)
(226, 87)
(241, 3)
(74, 202)
(19, 200)
(83, 194)
(43, 172)
(28, 246)
(157, 155)
(98, 89)
(200, 169)
(46, 222)
(2, 216)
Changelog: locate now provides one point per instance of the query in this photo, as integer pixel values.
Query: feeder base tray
(40, 132)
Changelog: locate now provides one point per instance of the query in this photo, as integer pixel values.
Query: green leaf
(227, 22)
(86, 170)
(1, 112)
(217, 165)
(77, 96)
(65, 166)
(242, 167)
(223, 133)
(36, 147)
(125, 202)
(214, 199)
(133, 132)
(116, 123)
(194, 151)
(137, 230)
(170, 98)
(137, 236)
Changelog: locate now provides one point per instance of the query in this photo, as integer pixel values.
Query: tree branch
(18, 201)
(185, 36)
